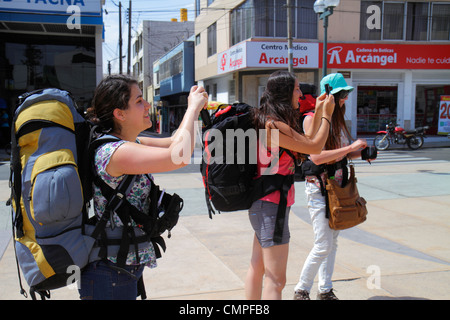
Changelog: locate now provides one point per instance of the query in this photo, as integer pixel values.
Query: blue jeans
(102, 280)
(322, 257)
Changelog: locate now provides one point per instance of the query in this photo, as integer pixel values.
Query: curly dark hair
(112, 92)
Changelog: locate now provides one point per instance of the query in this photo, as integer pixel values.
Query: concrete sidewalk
(401, 252)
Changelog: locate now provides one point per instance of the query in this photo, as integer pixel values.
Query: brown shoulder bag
(346, 208)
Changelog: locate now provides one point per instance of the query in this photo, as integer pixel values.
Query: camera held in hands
(369, 153)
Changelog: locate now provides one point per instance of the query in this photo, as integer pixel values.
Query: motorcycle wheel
(415, 142)
(381, 142)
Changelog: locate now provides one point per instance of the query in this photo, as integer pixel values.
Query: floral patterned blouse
(138, 196)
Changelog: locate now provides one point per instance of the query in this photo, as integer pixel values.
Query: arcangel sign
(275, 55)
(265, 54)
(388, 56)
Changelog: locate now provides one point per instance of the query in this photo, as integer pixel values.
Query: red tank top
(284, 165)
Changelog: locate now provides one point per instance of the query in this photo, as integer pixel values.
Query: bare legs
(268, 266)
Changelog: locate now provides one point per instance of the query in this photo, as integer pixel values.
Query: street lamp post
(325, 8)
(109, 64)
(289, 31)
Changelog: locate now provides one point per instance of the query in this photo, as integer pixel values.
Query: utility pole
(289, 32)
(129, 40)
(120, 37)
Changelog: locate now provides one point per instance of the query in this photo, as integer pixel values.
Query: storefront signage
(251, 54)
(232, 59)
(387, 56)
(444, 115)
(275, 55)
(51, 6)
(256, 54)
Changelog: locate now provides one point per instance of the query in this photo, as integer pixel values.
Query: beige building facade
(395, 53)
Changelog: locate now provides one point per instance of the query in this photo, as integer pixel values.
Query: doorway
(376, 106)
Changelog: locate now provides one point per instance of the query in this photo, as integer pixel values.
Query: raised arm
(292, 140)
(167, 154)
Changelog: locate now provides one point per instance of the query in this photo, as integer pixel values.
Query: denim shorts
(262, 215)
(102, 280)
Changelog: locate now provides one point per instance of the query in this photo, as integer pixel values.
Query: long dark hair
(112, 92)
(276, 101)
(337, 124)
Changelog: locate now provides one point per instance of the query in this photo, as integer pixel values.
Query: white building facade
(395, 53)
(152, 40)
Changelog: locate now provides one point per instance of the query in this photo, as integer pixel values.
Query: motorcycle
(396, 134)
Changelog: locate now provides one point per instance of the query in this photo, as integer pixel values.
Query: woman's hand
(326, 102)
(324, 109)
(358, 145)
(198, 98)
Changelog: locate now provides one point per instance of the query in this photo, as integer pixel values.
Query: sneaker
(301, 295)
(327, 296)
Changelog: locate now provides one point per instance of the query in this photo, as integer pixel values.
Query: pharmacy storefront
(400, 82)
(52, 43)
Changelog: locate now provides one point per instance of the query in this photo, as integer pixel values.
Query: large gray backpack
(50, 190)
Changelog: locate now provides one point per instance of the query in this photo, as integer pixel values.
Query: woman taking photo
(337, 149)
(278, 111)
(119, 109)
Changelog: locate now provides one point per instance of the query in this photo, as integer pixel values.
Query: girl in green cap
(337, 149)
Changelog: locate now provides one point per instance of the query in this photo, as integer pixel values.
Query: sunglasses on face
(344, 94)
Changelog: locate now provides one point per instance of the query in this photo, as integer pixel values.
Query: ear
(118, 114)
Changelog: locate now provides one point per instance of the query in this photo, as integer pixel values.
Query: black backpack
(229, 168)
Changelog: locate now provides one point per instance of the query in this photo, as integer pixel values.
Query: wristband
(327, 120)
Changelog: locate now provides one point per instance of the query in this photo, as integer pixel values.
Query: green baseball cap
(336, 81)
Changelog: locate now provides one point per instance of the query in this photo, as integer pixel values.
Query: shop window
(197, 8)
(440, 22)
(393, 19)
(172, 66)
(411, 20)
(241, 23)
(231, 91)
(213, 92)
(306, 20)
(370, 20)
(417, 21)
(212, 39)
(264, 26)
(271, 18)
(33, 62)
(376, 107)
(427, 105)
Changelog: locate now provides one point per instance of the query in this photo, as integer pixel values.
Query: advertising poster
(444, 115)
